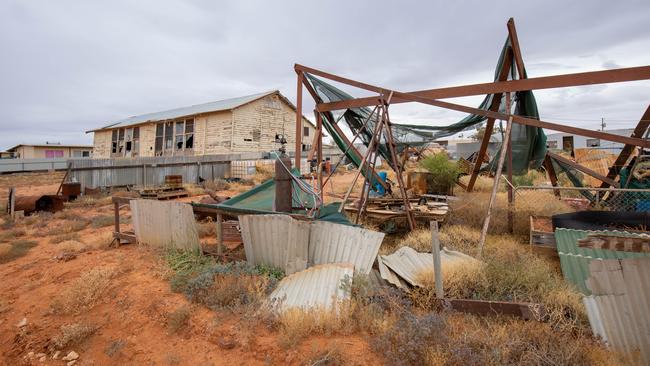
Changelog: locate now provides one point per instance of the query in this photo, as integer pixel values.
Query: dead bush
(115, 347)
(82, 294)
(12, 234)
(72, 334)
(92, 201)
(193, 189)
(331, 355)
(216, 185)
(178, 319)
(207, 229)
(65, 237)
(263, 172)
(15, 249)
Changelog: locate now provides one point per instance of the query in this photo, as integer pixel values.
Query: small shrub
(264, 172)
(115, 347)
(216, 185)
(83, 294)
(407, 342)
(15, 249)
(72, 334)
(65, 237)
(178, 319)
(207, 229)
(12, 234)
(445, 172)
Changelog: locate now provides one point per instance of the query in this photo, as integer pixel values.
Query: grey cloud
(70, 66)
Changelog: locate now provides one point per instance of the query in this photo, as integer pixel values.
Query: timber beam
(538, 83)
(581, 168)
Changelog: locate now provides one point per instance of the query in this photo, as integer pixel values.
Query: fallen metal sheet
(575, 260)
(317, 287)
(390, 276)
(275, 240)
(619, 304)
(335, 243)
(164, 224)
(407, 263)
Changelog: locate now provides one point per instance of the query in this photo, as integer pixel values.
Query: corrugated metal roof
(618, 308)
(219, 105)
(575, 260)
(407, 263)
(275, 240)
(164, 224)
(336, 243)
(315, 287)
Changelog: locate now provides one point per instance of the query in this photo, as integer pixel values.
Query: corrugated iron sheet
(575, 260)
(275, 240)
(336, 243)
(282, 242)
(618, 308)
(390, 276)
(406, 262)
(165, 224)
(315, 287)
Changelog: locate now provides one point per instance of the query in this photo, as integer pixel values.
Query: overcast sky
(70, 66)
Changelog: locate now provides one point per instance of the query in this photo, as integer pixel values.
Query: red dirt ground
(133, 311)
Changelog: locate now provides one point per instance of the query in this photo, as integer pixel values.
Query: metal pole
(511, 197)
(437, 266)
(299, 120)
(502, 157)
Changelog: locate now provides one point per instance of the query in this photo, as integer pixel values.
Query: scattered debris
(65, 256)
(385, 209)
(226, 343)
(316, 287)
(71, 356)
(56, 354)
(22, 323)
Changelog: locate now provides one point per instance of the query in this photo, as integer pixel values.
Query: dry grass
(295, 325)
(216, 185)
(11, 234)
(263, 172)
(101, 241)
(193, 189)
(102, 221)
(72, 334)
(207, 229)
(15, 249)
(331, 355)
(82, 294)
(92, 201)
(65, 237)
(178, 319)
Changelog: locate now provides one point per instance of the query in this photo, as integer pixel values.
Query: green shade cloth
(528, 143)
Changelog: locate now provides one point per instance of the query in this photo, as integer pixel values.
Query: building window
(125, 142)
(593, 142)
(305, 131)
(174, 138)
(53, 153)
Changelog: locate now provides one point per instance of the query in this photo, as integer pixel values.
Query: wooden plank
(552, 175)
(581, 168)
(627, 150)
(497, 178)
(516, 50)
(616, 242)
(538, 83)
(437, 267)
(524, 310)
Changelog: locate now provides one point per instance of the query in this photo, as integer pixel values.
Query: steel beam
(301, 77)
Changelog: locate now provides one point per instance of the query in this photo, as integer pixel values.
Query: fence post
(219, 234)
(435, 250)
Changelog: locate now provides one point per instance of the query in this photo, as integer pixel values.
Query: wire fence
(555, 200)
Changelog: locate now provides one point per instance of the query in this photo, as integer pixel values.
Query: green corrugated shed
(575, 260)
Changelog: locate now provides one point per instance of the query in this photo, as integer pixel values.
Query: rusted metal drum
(30, 204)
(174, 181)
(70, 191)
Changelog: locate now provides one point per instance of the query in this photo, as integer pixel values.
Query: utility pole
(602, 124)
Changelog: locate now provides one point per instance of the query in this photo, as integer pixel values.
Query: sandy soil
(132, 313)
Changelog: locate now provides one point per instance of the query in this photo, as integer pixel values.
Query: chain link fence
(556, 200)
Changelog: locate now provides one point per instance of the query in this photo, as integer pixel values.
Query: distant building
(250, 123)
(569, 142)
(451, 145)
(48, 150)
